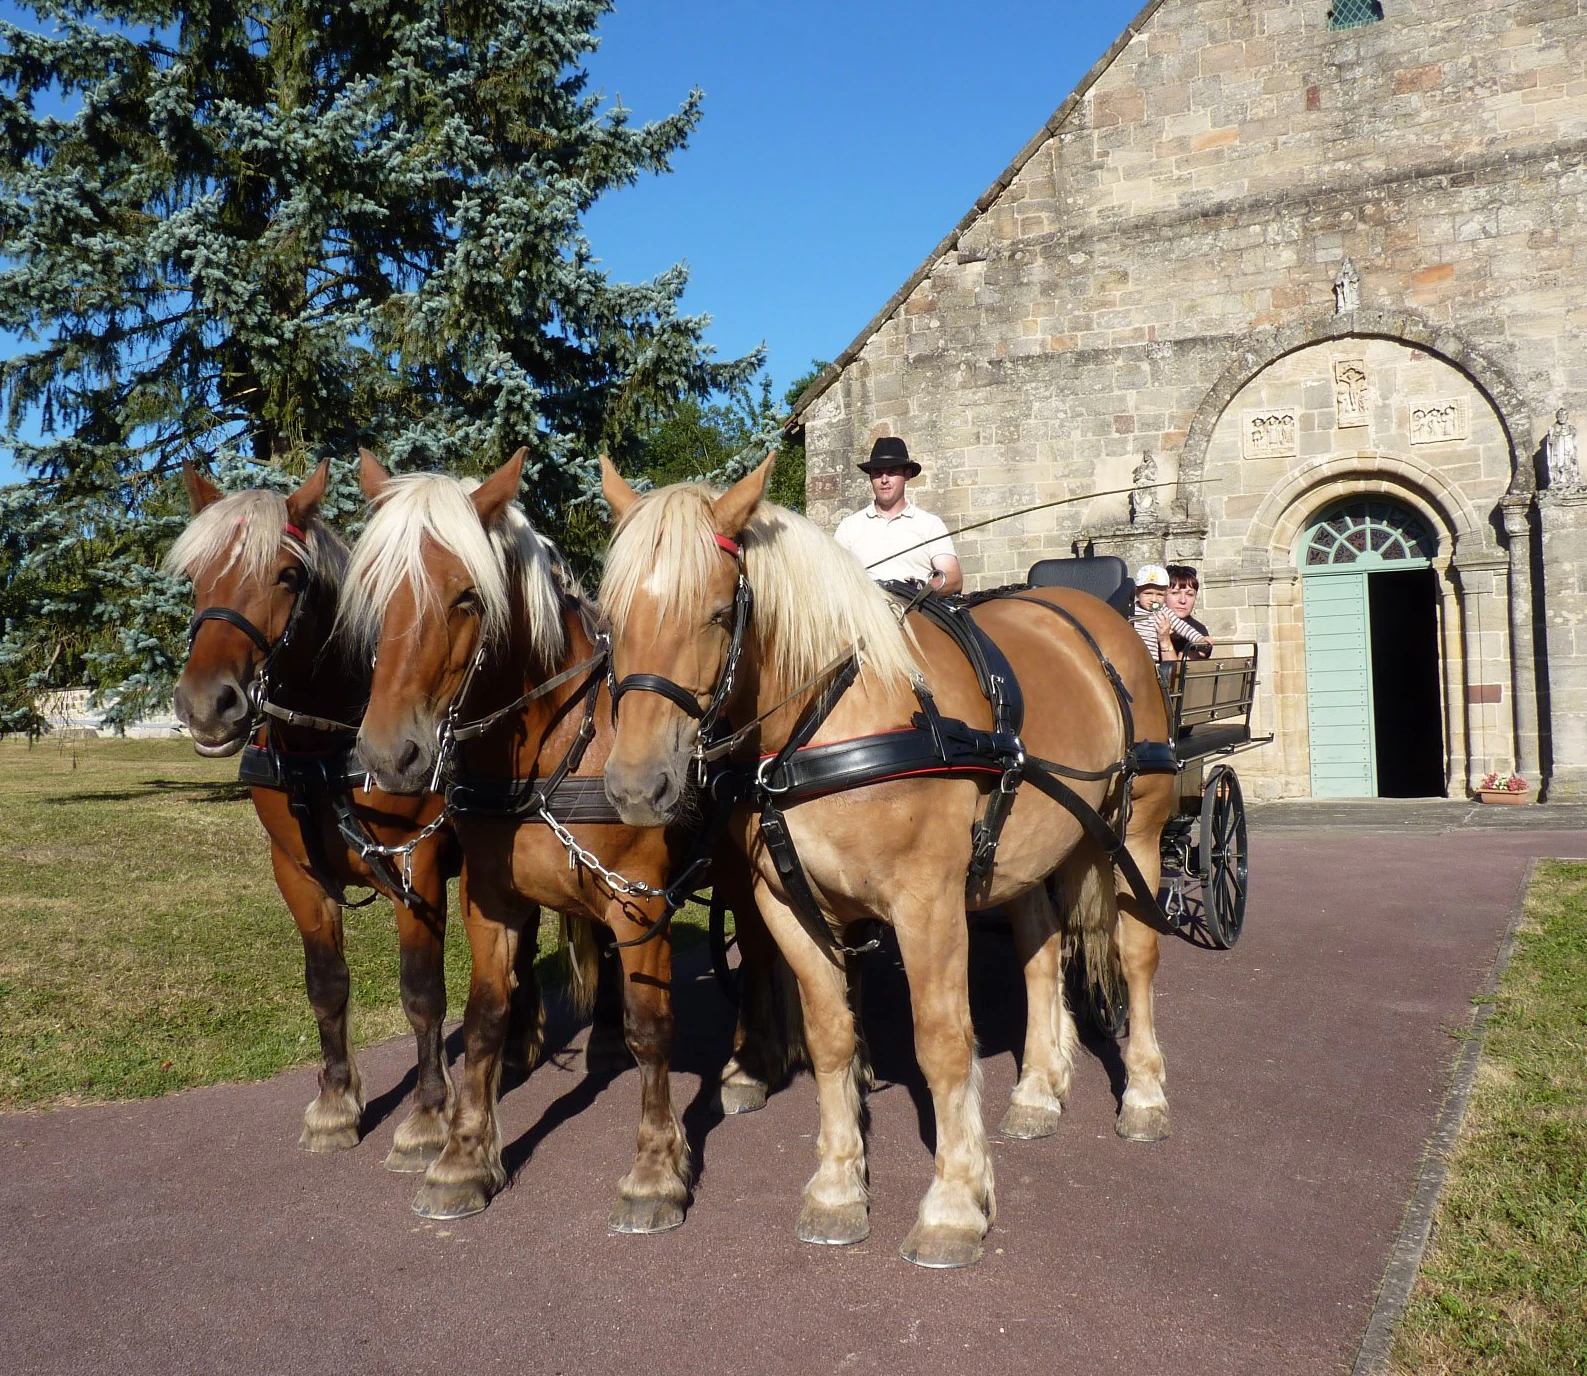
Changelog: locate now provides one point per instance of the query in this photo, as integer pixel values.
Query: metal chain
(577, 855)
(406, 849)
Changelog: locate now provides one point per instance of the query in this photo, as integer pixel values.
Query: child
(1184, 586)
(1156, 625)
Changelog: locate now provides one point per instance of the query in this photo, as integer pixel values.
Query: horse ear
(303, 503)
(731, 511)
(617, 490)
(200, 491)
(372, 476)
(491, 497)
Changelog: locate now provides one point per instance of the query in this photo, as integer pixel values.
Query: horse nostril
(660, 793)
(225, 701)
(409, 757)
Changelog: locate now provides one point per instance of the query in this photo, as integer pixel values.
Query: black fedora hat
(890, 452)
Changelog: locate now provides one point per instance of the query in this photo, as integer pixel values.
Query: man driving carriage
(892, 536)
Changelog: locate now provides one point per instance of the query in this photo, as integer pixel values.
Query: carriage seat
(1103, 575)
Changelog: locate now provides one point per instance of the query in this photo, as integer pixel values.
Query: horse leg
(1143, 1113)
(836, 1207)
(331, 1121)
(462, 1179)
(768, 1041)
(651, 1197)
(421, 936)
(959, 1206)
(526, 1016)
(1048, 1060)
(606, 1052)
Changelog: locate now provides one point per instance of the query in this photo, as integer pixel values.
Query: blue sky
(840, 142)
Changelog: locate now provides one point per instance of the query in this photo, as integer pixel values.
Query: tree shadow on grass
(192, 791)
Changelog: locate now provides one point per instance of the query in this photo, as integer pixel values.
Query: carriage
(1204, 844)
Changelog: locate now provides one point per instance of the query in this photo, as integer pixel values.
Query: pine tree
(280, 230)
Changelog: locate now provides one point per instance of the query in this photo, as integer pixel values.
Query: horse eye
(723, 617)
(290, 577)
(466, 601)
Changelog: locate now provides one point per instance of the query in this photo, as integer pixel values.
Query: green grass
(143, 945)
(1503, 1287)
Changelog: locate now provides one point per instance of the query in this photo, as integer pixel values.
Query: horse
(685, 565)
(266, 574)
(467, 609)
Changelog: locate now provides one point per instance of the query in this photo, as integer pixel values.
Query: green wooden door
(1339, 686)
(1343, 546)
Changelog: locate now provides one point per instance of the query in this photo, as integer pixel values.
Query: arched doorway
(1373, 703)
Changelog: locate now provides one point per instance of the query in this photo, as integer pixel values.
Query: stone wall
(1178, 227)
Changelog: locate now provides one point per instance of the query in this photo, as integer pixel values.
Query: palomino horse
(266, 574)
(458, 597)
(898, 850)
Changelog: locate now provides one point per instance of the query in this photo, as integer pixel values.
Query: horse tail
(1087, 900)
(583, 949)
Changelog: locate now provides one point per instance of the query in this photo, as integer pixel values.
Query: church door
(1372, 684)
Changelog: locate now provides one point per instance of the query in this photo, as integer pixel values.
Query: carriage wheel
(1090, 1004)
(1224, 857)
(723, 934)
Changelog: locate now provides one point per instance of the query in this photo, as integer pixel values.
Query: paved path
(1307, 1067)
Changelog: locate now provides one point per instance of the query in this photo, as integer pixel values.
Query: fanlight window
(1389, 532)
(1352, 14)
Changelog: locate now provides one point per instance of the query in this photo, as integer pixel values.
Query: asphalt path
(1307, 1067)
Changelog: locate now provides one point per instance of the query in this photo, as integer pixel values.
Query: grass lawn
(1503, 1286)
(143, 945)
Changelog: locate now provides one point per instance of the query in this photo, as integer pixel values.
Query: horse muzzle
(405, 764)
(217, 718)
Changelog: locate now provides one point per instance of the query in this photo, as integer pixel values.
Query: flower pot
(1507, 796)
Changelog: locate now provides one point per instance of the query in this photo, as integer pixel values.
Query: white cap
(1151, 576)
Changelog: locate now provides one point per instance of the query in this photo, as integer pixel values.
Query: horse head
(443, 576)
(255, 559)
(672, 592)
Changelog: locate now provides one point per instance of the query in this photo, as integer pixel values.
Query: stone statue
(1347, 288)
(1143, 501)
(1564, 459)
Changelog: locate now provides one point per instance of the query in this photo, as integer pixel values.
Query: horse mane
(813, 601)
(249, 530)
(512, 552)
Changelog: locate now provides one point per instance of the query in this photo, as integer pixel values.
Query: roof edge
(983, 203)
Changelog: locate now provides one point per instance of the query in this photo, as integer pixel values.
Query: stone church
(1310, 276)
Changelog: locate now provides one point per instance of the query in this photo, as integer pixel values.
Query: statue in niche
(1347, 288)
(1350, 393)
(1564, 459)
(1143, 500)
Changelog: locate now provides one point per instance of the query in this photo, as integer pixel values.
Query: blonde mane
(812, 598)
(390, 553)
(249, 529)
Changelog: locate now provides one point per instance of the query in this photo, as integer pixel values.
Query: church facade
(1294, 291)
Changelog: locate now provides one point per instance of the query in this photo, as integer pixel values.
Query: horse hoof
(1029, 1121)
(645, 1216)
(742, 1096)
(834, 1227)
(455, 1199)
(607, 1054)
(941, 1249)
(1142, 1122)
(329, 1139)
(411, 1159)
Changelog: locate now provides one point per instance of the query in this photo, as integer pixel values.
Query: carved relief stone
(1350, 392)
(1268, 433)
(1438, 422)
(1347, 288)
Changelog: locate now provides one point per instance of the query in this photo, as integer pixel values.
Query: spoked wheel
(725, 957)
(1224, 858)
(1091, 1004)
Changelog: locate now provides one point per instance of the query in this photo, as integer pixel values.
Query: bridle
(709, 716)
(258, 689)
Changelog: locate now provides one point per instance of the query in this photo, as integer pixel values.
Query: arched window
(1368, 532)
(1352, 14)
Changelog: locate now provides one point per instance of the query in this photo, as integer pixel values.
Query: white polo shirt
(869, 536)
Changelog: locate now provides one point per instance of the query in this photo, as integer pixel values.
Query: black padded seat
(1212, 737)
(1104, 575)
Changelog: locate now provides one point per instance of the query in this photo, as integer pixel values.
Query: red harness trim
(294, 532)
(731, 546)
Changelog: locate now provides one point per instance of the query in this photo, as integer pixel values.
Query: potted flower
(1502, 788)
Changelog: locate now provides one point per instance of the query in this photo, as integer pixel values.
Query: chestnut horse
(266, 574)
(483, 645)
(898, 850)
